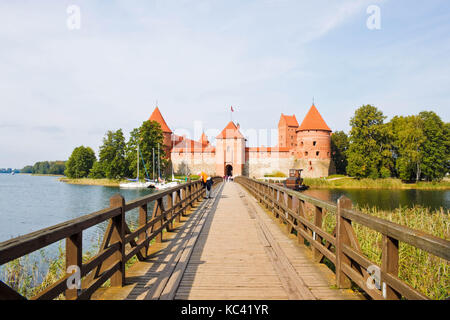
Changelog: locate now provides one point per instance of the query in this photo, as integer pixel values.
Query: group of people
(228, 178)
(207, 183)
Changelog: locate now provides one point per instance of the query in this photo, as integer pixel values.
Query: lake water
(387, 199)
(29, 203)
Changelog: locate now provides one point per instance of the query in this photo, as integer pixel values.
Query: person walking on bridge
(206, 183)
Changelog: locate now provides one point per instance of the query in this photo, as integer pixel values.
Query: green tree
(435, 149)
(339, 147)
(407, 140)
(149, 135)
(80, 162)
(41, 167)
(27, 169)
(112, 163)
(369, 153)
(57, 167)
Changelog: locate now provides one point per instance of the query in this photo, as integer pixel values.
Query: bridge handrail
(341, 247)
(119, 243)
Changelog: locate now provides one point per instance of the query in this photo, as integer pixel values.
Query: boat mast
(137, 164)
(159, 167)
(153, 167)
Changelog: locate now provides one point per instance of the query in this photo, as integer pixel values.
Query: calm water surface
(387, 199)
(30, 203)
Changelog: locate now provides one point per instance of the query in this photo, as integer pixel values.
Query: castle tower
(287, 135)
(230, 151)
(167, 133)
(314, 144)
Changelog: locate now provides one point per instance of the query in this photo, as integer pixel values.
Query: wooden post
(318, 216)
(179, 207)
(118, 235)
(157, 212)
(142, 222)
(288, 216)
(342, 237)
(189, 196)
(74, 257)
(169, 207)
(389, 265)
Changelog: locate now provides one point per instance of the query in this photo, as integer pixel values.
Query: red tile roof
(291, 121)
(313, 121)
(185, 145)
(157, 116)
(230, 131)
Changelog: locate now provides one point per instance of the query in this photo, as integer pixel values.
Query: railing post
(290, 205)
(157, 212)
(169, 207)
(342, 281)
(188, 196)
(74, 258)
(318, 216)
(179, 206)
(143, 216)
(118, 235)
(301, 213)
(389, 265)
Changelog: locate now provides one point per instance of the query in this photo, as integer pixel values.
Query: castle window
(306, 153)
(317, 153)
(301, 143)
(314, 143)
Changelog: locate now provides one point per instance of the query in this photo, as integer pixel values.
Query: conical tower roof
(204, 139)
(313, 121)
(230, 131)
(157, 116)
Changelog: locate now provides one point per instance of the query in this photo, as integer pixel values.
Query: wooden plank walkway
(228, 248)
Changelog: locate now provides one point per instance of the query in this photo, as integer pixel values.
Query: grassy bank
(421, 270)
(93, 182)
(389, 183)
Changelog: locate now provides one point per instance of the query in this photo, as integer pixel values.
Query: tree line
(411, 148)
(117, 158)
(45, 167)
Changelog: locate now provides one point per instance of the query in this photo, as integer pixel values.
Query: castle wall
(257, 166)
(195, 162)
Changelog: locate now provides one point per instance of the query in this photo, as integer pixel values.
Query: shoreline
(346, 183)
(91, 182)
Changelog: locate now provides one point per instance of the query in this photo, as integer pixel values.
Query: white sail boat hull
(136, 185)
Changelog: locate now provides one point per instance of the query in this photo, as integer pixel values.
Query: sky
(62, 87)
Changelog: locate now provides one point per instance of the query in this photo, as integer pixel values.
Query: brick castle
(306, 146)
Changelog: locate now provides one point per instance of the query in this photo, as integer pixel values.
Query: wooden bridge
(252, 241)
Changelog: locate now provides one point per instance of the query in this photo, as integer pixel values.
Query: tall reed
(421, 270)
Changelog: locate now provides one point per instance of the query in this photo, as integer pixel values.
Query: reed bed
(389, 183)
(421, 270)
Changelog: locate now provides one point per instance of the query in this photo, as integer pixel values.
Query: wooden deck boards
(228, 248)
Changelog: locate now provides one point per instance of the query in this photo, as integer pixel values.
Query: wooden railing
(119, 243)
(341, 247)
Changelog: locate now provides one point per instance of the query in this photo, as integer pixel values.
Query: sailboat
(161, 184)
(135, 183)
